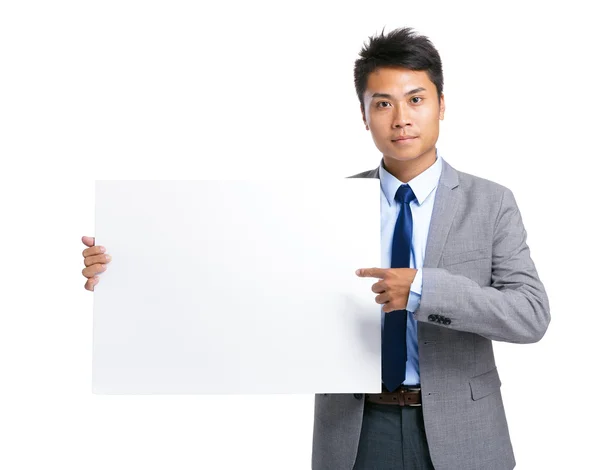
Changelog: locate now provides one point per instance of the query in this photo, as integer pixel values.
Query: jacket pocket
(456, 258)
(485, 384)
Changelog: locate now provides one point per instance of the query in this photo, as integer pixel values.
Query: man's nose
(401, 116)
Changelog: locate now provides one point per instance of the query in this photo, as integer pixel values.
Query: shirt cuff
(414, 297)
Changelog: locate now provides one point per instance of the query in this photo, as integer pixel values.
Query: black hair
(401, 47)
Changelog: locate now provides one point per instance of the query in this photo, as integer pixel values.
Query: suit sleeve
(514, 308)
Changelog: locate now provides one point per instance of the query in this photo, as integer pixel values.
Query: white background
(185, 90)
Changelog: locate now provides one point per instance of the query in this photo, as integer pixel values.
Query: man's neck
(407, 170)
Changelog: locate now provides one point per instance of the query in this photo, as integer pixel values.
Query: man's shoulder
(470, 183)
(477, 185)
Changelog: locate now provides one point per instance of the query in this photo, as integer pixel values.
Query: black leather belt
(404, 396)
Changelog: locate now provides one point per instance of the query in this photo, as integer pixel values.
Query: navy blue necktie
(393, 345)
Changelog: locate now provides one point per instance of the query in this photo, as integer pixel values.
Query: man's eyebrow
(386, 95)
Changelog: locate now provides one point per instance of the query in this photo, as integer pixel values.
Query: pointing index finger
(371, 272)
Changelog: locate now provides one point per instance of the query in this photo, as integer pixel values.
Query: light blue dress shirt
(424, 186)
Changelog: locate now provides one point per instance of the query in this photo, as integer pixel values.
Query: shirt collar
(422, 185)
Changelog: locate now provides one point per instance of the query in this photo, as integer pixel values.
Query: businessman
(456, 274)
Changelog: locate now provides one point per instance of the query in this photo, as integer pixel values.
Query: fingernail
(102, 249)
(108, 257)
(358, 271)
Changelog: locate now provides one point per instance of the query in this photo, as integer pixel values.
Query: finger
(95, 250)
(88, 241)
(89, 285)
(382, 298)
(371, 272)
(379, 287)
(93, 269)
(97, 259)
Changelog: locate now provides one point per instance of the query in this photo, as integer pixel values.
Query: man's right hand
(95, 259)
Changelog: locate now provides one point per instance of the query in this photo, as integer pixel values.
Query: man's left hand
(393, 288)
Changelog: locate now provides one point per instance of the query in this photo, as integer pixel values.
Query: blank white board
(237, 287)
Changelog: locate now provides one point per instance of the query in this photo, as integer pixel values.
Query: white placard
(237, 287)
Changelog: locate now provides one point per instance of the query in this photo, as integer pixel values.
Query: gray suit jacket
(479, 285)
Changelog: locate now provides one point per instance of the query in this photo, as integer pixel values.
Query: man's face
(402, 103)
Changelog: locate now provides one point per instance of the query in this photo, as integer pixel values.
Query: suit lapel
(446, 202)
(444, 209)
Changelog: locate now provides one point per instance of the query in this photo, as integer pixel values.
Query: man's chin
(403, 156)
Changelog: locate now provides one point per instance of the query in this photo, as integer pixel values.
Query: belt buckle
(409, 389)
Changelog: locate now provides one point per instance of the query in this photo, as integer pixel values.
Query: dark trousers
(392, 438)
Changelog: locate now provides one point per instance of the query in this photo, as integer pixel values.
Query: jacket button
(431, 317)
(447, 321)
(358, 396)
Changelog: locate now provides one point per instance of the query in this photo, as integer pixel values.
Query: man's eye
(381, 102)
(417, 98)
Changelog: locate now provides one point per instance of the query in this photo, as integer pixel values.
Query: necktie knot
(405, 194)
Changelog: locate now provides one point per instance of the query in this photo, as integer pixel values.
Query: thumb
(88, 241)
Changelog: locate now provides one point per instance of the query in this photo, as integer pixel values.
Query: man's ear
(442, 106)
(362, 111)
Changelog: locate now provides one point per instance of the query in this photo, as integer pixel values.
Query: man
(458, 275)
